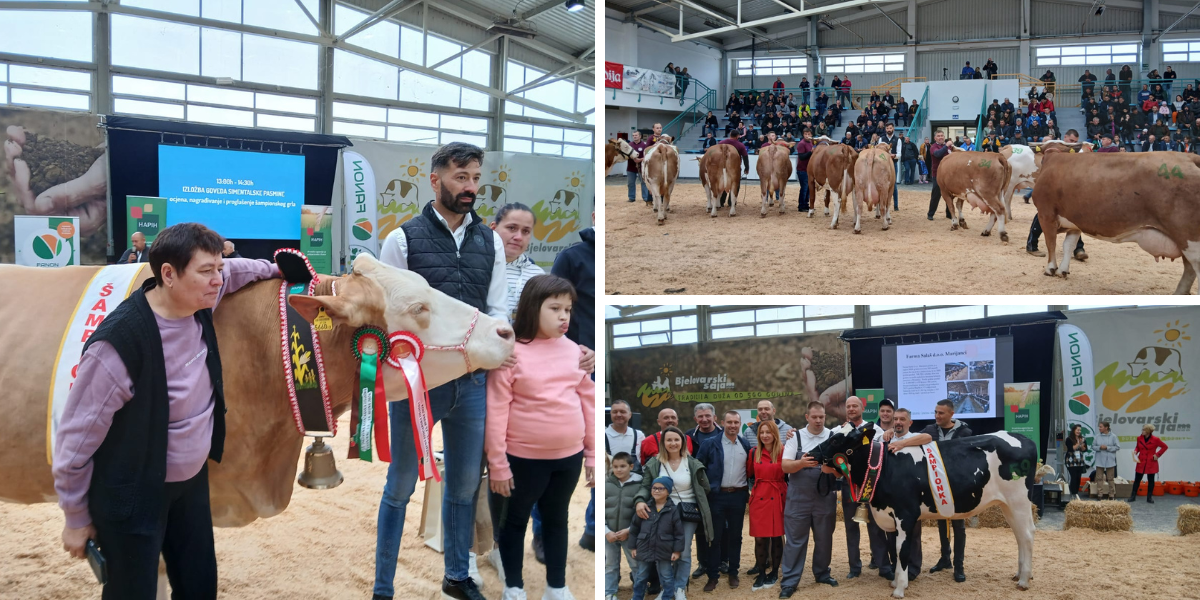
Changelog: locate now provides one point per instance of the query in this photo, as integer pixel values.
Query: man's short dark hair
(616, 402)
(947, 403)
(905, 411)
(1071, 132)
(177, 244)
(813, 404)
(458, 154)
(622, 456)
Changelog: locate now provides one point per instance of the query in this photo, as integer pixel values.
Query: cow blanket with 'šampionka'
(954, 479)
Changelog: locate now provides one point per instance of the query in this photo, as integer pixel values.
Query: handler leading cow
(952, 479)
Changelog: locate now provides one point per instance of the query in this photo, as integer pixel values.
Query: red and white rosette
(406, 354)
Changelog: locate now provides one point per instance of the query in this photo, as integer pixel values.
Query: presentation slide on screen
(965, 372)
(241, 195)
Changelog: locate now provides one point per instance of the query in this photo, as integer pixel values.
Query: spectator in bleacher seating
(836, 84)
(990, 68)
(1048, 106)
(836, 111)
(995, 106)
(845, 91)
(633, 168)
(1155, 78)
(1051, 128)
(822, 102)
(1018, 136)
(912, 109)
(1003, 131)
(1153, 143)
(874, 98)
(710, 123)
(734, 121)
(862, 118)
(1007, 107)
(977, 74)
(1144, 95)
(1087, 83)
(778, 85)
(859, 142)
(818, 81)
(670, 68)
(1186, 109)
(1110, 81)
(1094, 129)
(791, 101)
(1164, 112)
(1194, 134)
(853, 130)
(847, 139)
(1160, 130)
(902, 113)
(760, 111)
(967, 71)
(888, 100)
(1127, 131)
(1125, 77)
(1048, 79)
(1189, 93)
(804, 89)
(1158, 92)
(709, 141)
(1106, 143)
(731, 104)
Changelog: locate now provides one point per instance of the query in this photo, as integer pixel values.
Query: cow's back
(817, 163)
(722, 168)
(986, 173)
(37, 304)
(660, 166)
(839, 168)
(774, 167)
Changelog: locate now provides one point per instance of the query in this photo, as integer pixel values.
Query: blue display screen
(241, 195)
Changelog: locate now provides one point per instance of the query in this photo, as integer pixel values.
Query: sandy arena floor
(792, 254)
(1067, 565)
(322, 546)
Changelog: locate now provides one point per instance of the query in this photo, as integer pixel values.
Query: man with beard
(455, 251)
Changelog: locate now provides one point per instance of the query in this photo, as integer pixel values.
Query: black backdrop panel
(1033, 355)
(133, 165)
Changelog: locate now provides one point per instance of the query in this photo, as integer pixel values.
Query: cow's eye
(418, 309)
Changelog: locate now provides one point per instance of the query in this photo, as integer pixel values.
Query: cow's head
(400, 300)
(846, 449)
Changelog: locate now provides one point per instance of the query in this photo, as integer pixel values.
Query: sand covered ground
(793, 254)
(322, 546)
(1067, 565)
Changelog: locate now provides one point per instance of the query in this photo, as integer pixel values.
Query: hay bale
(1105, 515)
(992, 517)
(1189, 519)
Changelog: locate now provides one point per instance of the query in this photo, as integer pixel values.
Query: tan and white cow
(1149, 198)
(831, 169)
(660, 169)
(874, 179)
(721, 175)
(980, 178)
(257, 475)
(774, 170)
(616, 150)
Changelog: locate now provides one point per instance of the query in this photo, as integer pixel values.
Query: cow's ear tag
(322, 322)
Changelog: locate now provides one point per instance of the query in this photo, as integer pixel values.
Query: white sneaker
(511, 593)
(611, 597)
(494, 558)
(473, 569)
(562, 593)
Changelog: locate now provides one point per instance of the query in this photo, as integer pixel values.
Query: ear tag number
(322, 322)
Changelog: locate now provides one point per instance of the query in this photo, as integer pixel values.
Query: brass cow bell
(320, 470)
(860, 513)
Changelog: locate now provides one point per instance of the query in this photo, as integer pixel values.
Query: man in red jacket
(804, 150)
(666, 418)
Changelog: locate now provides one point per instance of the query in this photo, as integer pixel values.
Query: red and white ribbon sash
(407, 351)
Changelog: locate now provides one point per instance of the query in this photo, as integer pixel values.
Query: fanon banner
(386, 184)
(1143, 362)
(46, 241)
(1075, 354)
(732, 375)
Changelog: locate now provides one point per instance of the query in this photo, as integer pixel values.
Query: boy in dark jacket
(620, 488)
(658, 540)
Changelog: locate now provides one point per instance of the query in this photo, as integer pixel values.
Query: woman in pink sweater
(539, 430)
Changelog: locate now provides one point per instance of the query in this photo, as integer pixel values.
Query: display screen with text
(241, 195)
(964, 372)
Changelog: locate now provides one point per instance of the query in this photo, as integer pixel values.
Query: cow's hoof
(827, 212)
(660, 221)
(885, 227)
(857, 231)
(1049, 272)
(1004, 236)
(810, 214)
(878, 217)
(1064, 274)
(954, 227)
(1023, 588)
(763, 215)
(963, 223)
(985, 234)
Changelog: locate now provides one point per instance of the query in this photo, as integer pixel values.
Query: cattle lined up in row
(831, 170)
(721, 176)
(982, 179)
(875, 177)
(660, 169)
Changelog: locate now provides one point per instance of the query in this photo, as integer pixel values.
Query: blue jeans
(631, 179)
(666, 575)
(589, 518)
(712, 128)
(461, 405)
(907, 169)
(612, 565)
(802, 177)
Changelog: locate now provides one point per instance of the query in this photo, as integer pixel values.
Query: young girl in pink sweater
(539, 432)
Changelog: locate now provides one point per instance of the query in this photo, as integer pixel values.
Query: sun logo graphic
(413, 169)
(575, 179)
(1154, 374)
(655, 393)
(1173, 334)
(503, 174)
(362, 229)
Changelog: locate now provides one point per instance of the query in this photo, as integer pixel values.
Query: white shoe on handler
(511, 593)
(562, 593)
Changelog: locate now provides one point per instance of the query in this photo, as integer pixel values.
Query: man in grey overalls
(808, 508)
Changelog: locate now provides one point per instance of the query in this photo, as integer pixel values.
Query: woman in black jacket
(1075, 447)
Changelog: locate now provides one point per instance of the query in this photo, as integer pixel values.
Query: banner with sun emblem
(559, 191)
(1142, 363)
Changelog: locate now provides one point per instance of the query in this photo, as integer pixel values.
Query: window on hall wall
(361, 76)
(772, 66)
(1181, 51)
(402, 125)
(727, 322)
(214, 105)
(284, 15)
(542, 139)
(1116, 54)
(25, 85)
(864, 63)
(47, 33)
(564, 94)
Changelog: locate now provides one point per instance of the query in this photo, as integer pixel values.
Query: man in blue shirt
(967, 72)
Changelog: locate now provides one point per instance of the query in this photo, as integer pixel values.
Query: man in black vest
(137, 251)
(455, 251)
(145, 414)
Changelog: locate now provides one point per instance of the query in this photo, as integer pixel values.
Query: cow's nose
(505, 333)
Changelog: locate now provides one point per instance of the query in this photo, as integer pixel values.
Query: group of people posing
(671, 488)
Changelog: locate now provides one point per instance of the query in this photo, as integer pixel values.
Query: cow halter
(864, 494)
(462, 347)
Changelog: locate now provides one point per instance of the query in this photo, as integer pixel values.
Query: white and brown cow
(660, 169)
(974, 473)
(616, 150)
(817, 170)
(721, 175)
(774, 170)
(1150, 198)
(980, 178)
(874, 179)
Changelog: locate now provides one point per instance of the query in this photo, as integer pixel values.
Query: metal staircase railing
(703, 99)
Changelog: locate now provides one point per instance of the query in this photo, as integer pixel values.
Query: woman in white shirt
(514, 223)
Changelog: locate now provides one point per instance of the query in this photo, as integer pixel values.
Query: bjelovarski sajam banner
(613, 74)
(396, 176)
(1144, 361)
(59, 162)
(1079, 391)
(733, 375)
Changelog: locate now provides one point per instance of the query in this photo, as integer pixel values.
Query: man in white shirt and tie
(811, 505)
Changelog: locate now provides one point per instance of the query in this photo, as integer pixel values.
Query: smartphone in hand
(96, 560)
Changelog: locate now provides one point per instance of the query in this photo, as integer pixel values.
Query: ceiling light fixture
(574, 5)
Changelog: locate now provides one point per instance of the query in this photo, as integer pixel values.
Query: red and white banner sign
(613, 74)
(939, 484)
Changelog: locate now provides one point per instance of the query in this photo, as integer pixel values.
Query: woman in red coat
(766, 504)
(1149, 448)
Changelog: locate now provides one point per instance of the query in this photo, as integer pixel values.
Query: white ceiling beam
(774, 19)
(389, 10)
(549, 78)
(466, 50)
(541, 8)
(308, 14)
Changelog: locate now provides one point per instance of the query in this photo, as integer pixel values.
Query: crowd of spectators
(682, 79)
(988, 71)
(1150, 119)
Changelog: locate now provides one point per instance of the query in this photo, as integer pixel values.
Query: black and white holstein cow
(954, 479)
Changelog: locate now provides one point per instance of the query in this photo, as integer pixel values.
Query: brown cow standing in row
(834, 173)
(720, 173)
(874, 176)
(816, 172)
(1151, 198)
(980, 178)
(660, 169)
(774, 169)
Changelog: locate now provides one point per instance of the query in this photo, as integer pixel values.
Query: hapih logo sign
(1153, 374)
